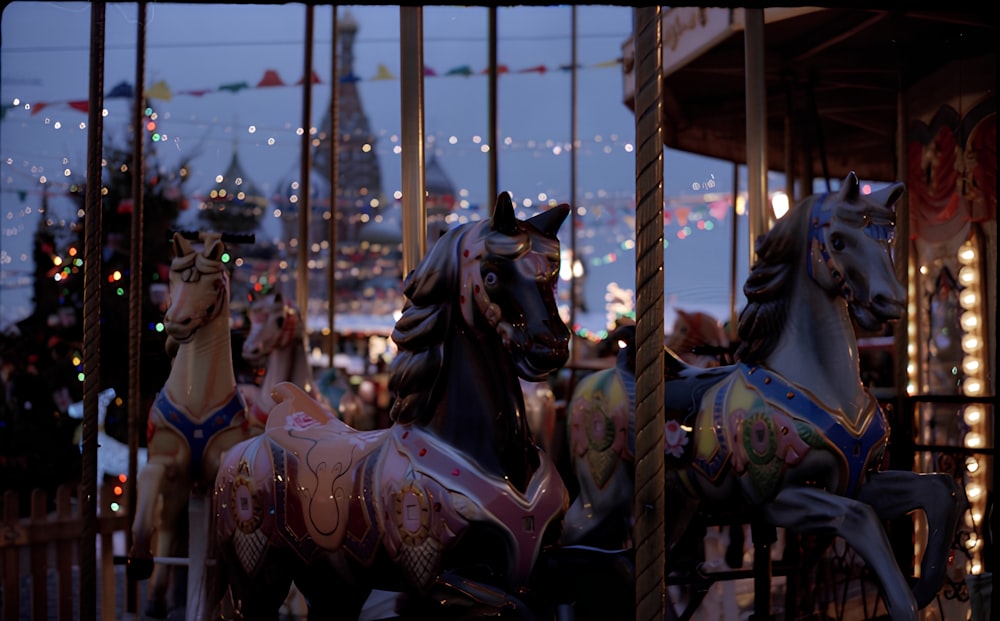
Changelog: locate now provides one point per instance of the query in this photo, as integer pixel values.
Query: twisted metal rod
(136, 286)
(92, 317)
(648, 534)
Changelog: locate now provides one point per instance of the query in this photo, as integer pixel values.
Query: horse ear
(214, 248)
(182, 246)
(503, 215)
(550, 220)
(850, 189)
(278, 298)
(888, 195)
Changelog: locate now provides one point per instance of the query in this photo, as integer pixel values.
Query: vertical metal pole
(334, 188)
(760, 221)
(136, 285)
(305, 202)
(493, 116)
(411, 51)
(732, 332)
(756, 111)
(650, 590)
(91, 316)
(574, 141)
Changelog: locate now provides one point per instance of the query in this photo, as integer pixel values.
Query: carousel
(648, 485)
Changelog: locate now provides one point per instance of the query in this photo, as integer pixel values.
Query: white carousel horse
(196, 417)
(112, 453)
(277, 343)
(452, 505)
(788, 436)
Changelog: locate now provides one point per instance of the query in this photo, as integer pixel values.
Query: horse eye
(490, 279)
(837, 243)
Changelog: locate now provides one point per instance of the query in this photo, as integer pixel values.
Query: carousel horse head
(275, 324)
(840, 246)
(699, 339)
(199, 287)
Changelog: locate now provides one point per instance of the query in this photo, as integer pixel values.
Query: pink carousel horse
(454, 503)
(195, 418)
(788, 436)
(277, 342)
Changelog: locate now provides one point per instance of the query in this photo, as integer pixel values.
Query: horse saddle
(400, 489)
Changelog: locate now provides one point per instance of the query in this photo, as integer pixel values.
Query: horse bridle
(820, 219)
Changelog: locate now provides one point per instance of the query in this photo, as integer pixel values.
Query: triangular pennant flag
(719, 209)
(160, 90)
(609, 63)
(463, 70)
(122, 89)
(538, 69)
(315, 79)
(570, 67)
(234, 87)
(197, 93)
(83, 105)
(349, 78)
(682, 215)
(501, 69)
(383, 73)
(428, 72)
(271, 78)
(38, 107)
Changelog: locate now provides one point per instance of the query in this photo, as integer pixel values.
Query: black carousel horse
(454, 504)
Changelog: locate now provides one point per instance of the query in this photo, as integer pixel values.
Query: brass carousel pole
(492, 184)
(92, 316)
(136, 289)
(574, 141)
(411, 50)
(305, 206)
(334, 139)
(761, 220)
(650, 590)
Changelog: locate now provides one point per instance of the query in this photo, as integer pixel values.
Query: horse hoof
(139, 569)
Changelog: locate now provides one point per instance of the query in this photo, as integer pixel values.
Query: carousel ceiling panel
(833, 73)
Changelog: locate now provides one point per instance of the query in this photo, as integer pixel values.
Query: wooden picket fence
(29, 545)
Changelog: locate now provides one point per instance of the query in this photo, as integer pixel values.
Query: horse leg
(601, 516)
(172, 511)
(140, 562)
(895, 493)
(813, 510)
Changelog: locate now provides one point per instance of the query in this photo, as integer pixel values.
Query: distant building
(368, 235)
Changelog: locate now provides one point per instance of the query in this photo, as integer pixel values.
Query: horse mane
(434, 295)
(780, 252)
(420, 331)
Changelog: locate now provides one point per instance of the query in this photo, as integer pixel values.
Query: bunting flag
(272, 79)
(160, 90)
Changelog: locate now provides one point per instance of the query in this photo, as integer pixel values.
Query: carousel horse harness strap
(760, 423)
(197, 434)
